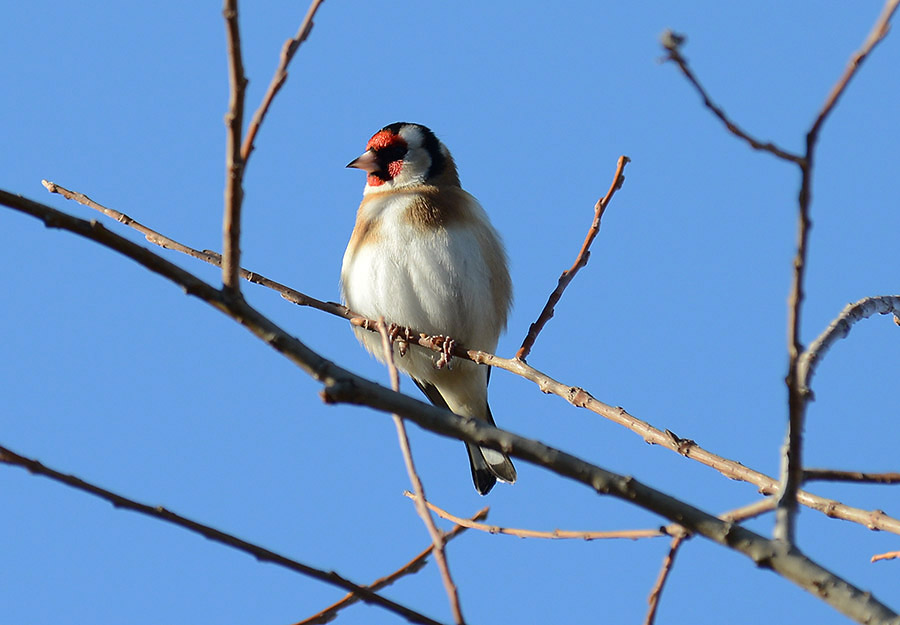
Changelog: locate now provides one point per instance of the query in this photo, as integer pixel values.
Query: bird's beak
(368, 162)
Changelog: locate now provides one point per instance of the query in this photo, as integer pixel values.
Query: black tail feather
(484, 474)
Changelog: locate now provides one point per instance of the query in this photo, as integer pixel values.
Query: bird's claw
(399, 335)
(446, 344)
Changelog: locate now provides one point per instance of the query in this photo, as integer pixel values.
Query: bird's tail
(488, 466)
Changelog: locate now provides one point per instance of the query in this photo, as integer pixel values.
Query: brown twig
(739, 514)
(656, 591)
(413, 566)
(208, 256)
(578, 397)
(526, 533)
(792, 450)
(280, 77)
(437, 537)
(234, 162)
(151, 235)
(749, 511)
(798, 393)
(236, 153)
(876, 35)
(340, 385)
(679, 536)
(890, 555)
(263, 555)
(580, 261)
(672, 43)
(859, 477)
(677, 531)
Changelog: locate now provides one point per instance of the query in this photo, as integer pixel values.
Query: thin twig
(798, 392)
(656, 591)
(858, 477)
(237, 154)
(553, 535)
(672, 43)
(151, 235)
(280, 77)
(876, 35)
(840, 328)
(340, 385)
(413, 566)
(234, 162)
(208, 256)
(578, 397)
(580, 261)
(739, 514)
(263, 555)
(749, 511)
(890, 555)
(437, 537)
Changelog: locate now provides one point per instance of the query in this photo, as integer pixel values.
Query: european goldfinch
(424, 255)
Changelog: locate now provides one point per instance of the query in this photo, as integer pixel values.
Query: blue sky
(111, 373)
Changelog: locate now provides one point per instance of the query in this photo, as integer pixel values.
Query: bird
(424, 255)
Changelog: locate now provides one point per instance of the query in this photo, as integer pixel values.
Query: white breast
(435, 281)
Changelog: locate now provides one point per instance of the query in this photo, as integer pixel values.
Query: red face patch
(395, 168)
(383, 139)
(386, 145)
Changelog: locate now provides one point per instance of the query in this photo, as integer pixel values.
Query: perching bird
(424, 255)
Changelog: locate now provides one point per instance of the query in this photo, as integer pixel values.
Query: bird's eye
(391, 153)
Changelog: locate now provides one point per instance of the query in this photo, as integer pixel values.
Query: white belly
(435, 282)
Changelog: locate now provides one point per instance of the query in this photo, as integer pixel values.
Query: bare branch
(580, 261)
(151, 235)
(798, 391)
(208, 256)
(879, 31)
(578, 397)
(553, 535)
(743, 513)
(437, 537)
(236, 154)
(672, 43)
(890, 555)
(413, 566)
(656, 591)
(831, 475)
(234, 162)
(341, 385)
(778, 556)
(792, 450)
(581, 398)
(839, 329)
(739, 514)
(263, 555)
(280, 77)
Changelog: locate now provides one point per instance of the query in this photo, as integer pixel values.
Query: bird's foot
(446, 344)
(400, 335)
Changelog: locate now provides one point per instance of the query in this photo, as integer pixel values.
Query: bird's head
(403, 155)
